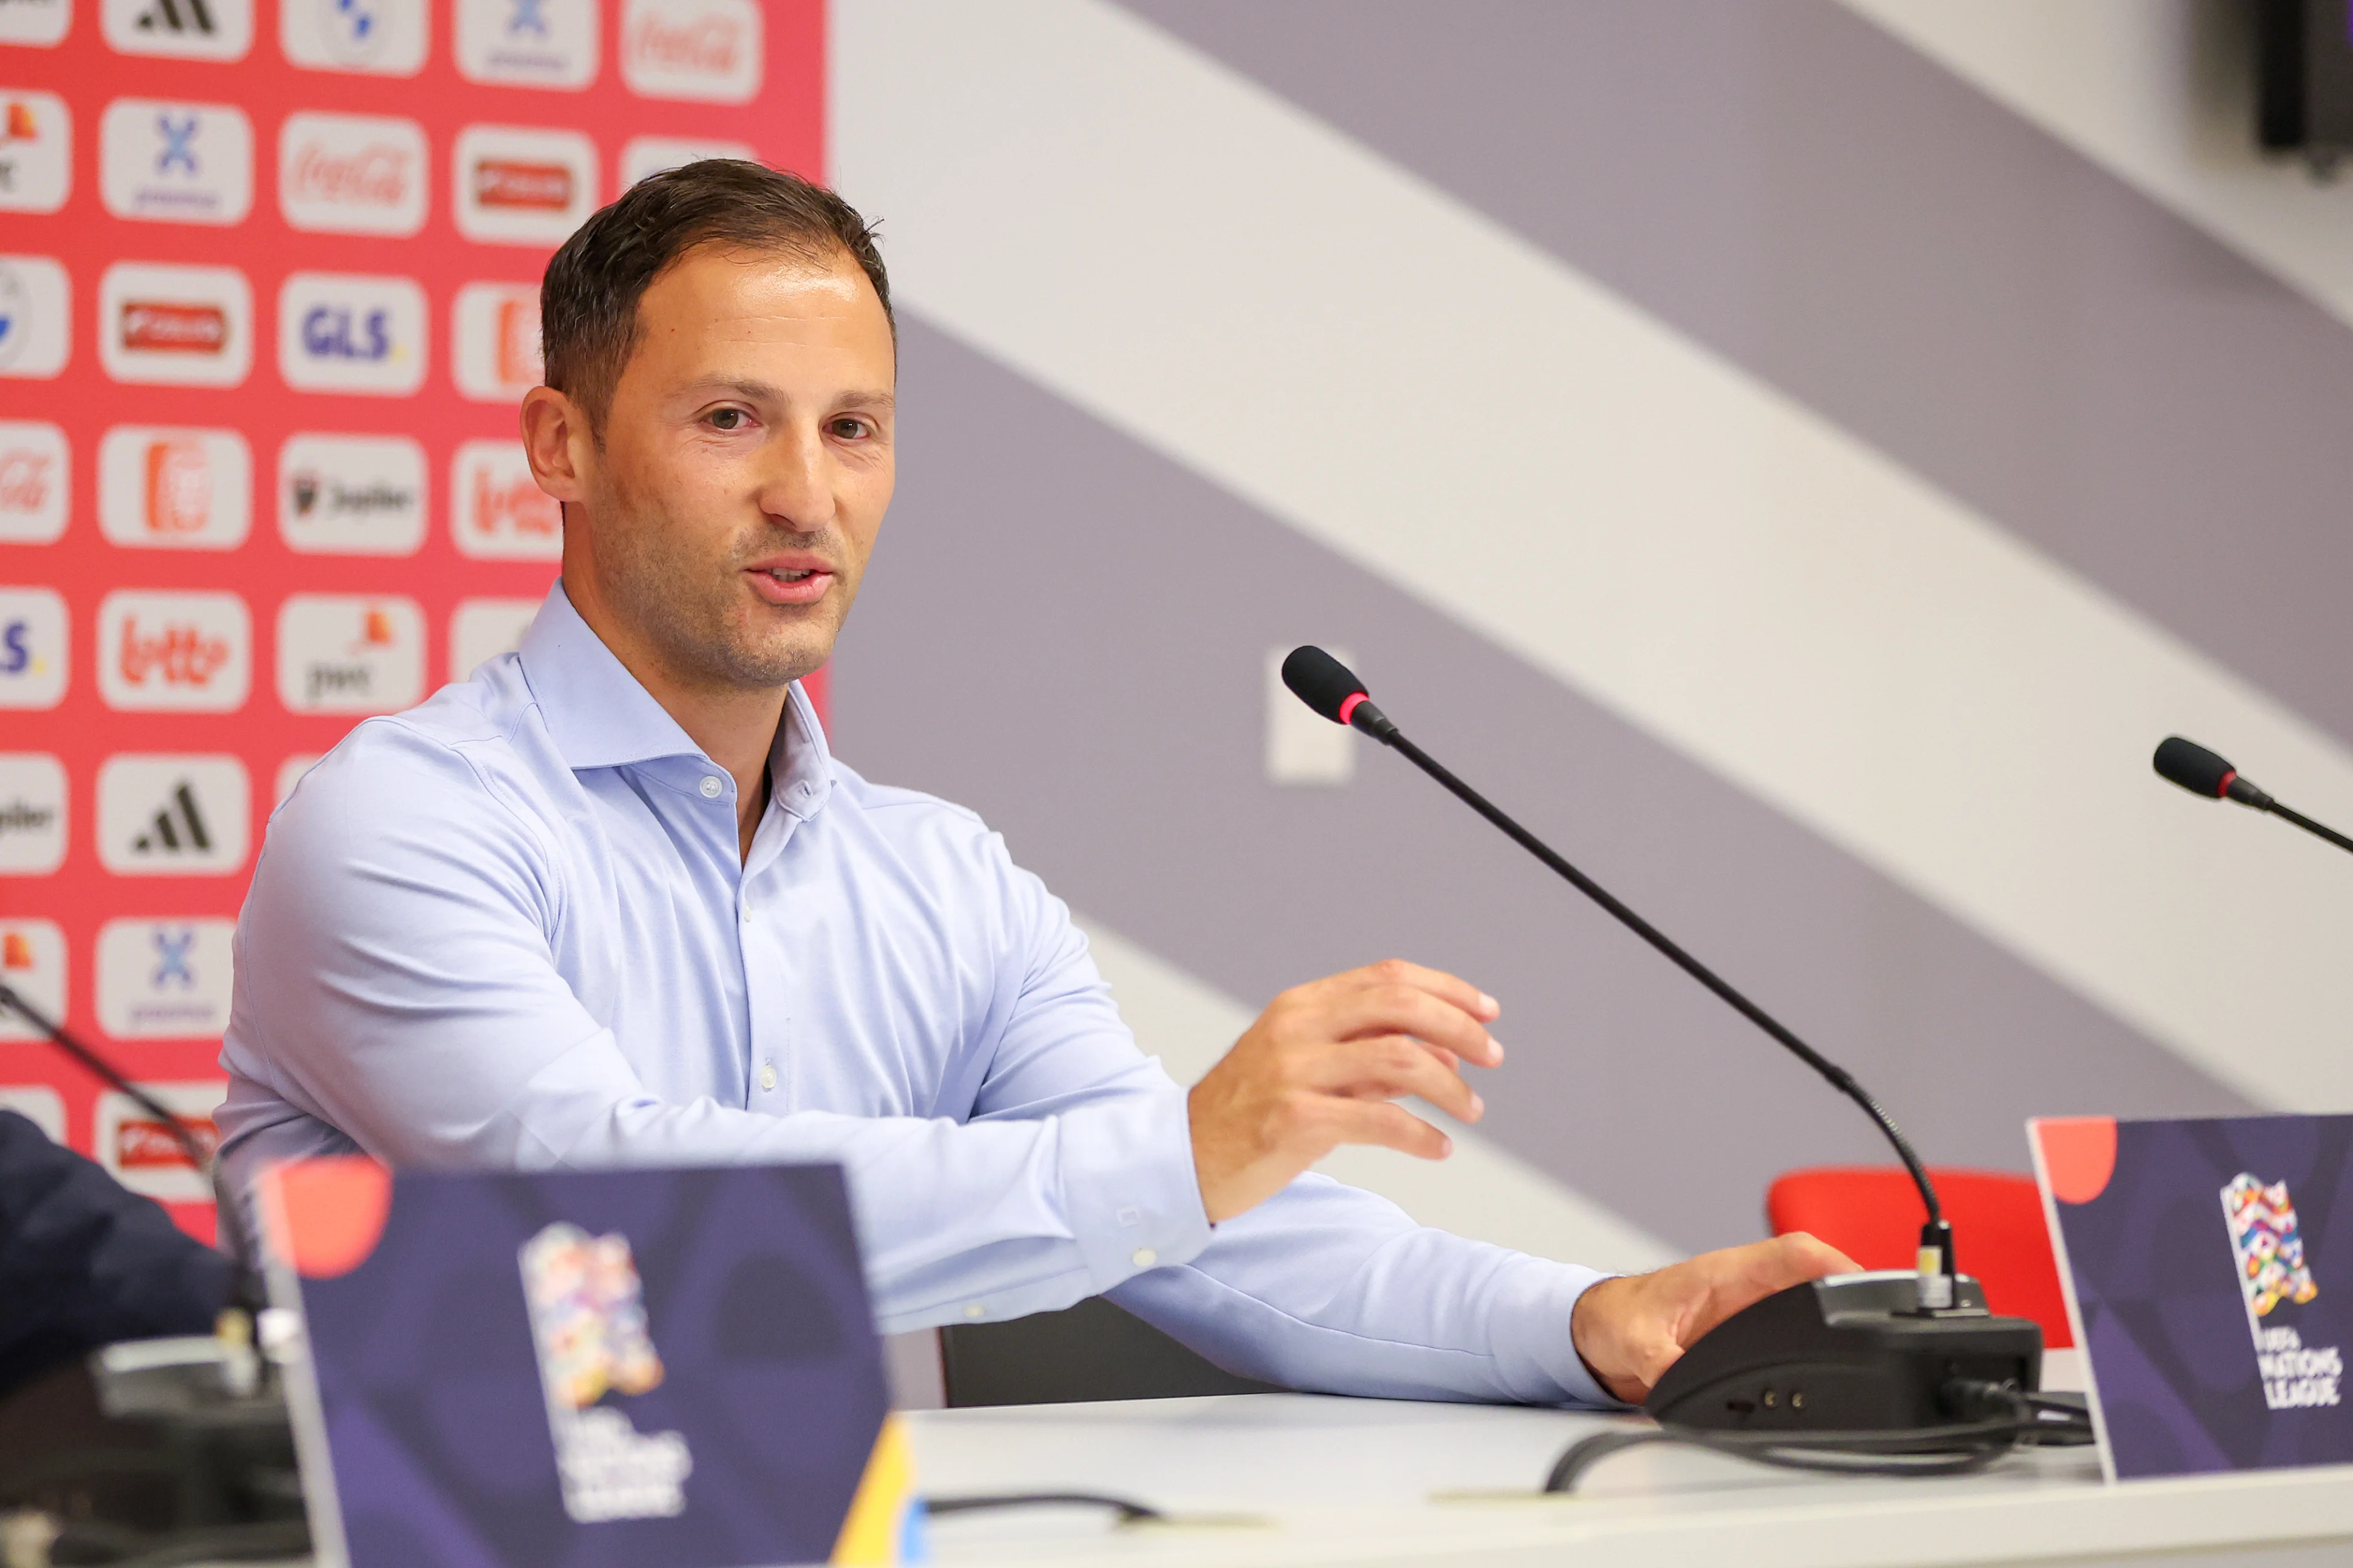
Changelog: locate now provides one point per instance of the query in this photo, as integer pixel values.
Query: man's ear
(555, 438)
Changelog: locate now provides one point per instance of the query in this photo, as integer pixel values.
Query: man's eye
(727, 419)
(849, 429)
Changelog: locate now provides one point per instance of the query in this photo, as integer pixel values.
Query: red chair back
(1872, 1214)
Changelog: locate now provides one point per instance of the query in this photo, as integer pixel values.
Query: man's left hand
(1631, 1330)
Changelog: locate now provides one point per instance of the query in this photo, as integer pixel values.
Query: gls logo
(170, 652)
(33, 962)
(352, 495)
(337, 333)
(32, 814)
(34, 472)
(173, 816)
(175, 163)
(161, 487)
(32, 647)
(188, 29)
(380, 37)
(175, 326)
(528, 43)
(164, 980)
(36, 149)
(341, 653)
(351, 173)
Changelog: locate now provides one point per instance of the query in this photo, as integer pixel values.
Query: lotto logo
(164, 980)
(143, 1154)
(380, 37)
(175, 489)
(705, 49)
(32, 814)
(521, 186)
(346, 653)
(352, 495)
(482, 629)
(175, 326)
(35, 149)
(33, 476)
(173, 816)
(173, 652)
(175, 163)
(644, 155)
(34, 313)
(528, 43)
(342, 333)
(33, 962)
(189, 29)
(351, 173)
(32, 647)
(497, 510)
(39, 24)
(494, 340)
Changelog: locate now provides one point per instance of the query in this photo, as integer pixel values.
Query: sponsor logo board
(32, 814)
(184, 30)
(36, 305)
(710, 50)
(38, 24)
(351, 173)
(163, 651)
(482, 629)
(497, 510)
(173, 816)
(161, 487)
(36, 1103)
(164, 980)
(643, 155)
(35, 147)
(175, 326)
(522, 186)
(142, 1153)
(175, 163)
(350, 653)
(36, 474)
(379, 38)
(494, 340)
(528, 43)
(33, 962)
(32, 647)
(340, 333)
(352, 495)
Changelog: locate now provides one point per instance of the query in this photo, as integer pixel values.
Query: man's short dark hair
(588, 300)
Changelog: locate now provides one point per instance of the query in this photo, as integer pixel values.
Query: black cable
(1957, 1450)
(1129, 1510)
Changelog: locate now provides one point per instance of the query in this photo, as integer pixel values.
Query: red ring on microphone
(1348, 704)
(2222, 790)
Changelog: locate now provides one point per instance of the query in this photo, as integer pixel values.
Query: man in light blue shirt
(613, 900)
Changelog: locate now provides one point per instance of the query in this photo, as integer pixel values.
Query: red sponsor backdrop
(267, 281)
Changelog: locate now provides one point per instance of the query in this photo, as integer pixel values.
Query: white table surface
(1328, 1480)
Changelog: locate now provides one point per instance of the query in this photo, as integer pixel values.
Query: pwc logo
(33, 962)
(32, 814)
(497, 510)
(528, 43)
(32, 647)
(377, 37)
(142, 1153)
(338, 333)
(166, 652)
(710, 50)
(33, 475)
(175, 163)
(164, 980)
(350, 653)
(175, 326)
(494, 340)
(352, 495)
(351, 173)
(162, 487)
(36, 149)
(173, 816)
(519, 186)
(184, 30)
(35, 299)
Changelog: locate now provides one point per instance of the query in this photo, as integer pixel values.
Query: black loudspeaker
(1095, 1350)
(2303, 62)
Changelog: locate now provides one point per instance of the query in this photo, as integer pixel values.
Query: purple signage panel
(2208, 1268)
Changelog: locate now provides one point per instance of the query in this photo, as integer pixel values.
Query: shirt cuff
(1528, 1326)
(1129, 1192)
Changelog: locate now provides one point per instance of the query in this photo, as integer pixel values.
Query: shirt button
(712, 788)
(1143, 1258)
(975, 1311)
(767, 1079)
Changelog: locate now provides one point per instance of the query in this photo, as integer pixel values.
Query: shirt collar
(600, 717)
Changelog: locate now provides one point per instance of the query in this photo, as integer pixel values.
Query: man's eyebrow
(767, 391)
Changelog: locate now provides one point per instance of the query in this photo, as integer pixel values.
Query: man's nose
(797, 484)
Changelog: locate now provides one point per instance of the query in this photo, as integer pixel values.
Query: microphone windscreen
(2193, 767)
(1320, 681)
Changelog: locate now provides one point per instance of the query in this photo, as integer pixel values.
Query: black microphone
(2201, 772)
(1327, 686)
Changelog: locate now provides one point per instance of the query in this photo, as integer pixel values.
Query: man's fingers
(1450, 989)
(1388, 1065)
(1387, 1125)
(1401, 1009)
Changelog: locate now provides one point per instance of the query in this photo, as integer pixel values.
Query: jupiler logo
(2275, 1278)
(352, 495)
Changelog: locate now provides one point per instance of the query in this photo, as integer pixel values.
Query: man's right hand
(1320, 1067)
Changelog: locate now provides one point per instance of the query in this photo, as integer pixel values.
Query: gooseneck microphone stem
(1374, 723)
(2315, 829)
(58, 1036)
(2209, 774)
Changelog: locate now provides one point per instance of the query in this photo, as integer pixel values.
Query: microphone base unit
(1855, 1353)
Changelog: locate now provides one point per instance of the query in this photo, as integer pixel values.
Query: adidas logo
(173, 816)
(177, 16)
(180, 824)
(189, 29)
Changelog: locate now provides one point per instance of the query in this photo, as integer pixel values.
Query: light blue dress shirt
(512, 927)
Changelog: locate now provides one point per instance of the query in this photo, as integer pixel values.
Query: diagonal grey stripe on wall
(1821, 204)
(1066, 632)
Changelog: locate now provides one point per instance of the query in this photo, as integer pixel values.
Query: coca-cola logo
(157, 327)
(149, 1145)
(379, 173)
(179, 654)
(529, 187)
(27, 480)
(710, 45)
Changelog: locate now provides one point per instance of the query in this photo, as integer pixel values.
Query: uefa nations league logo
(2274, 1277)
